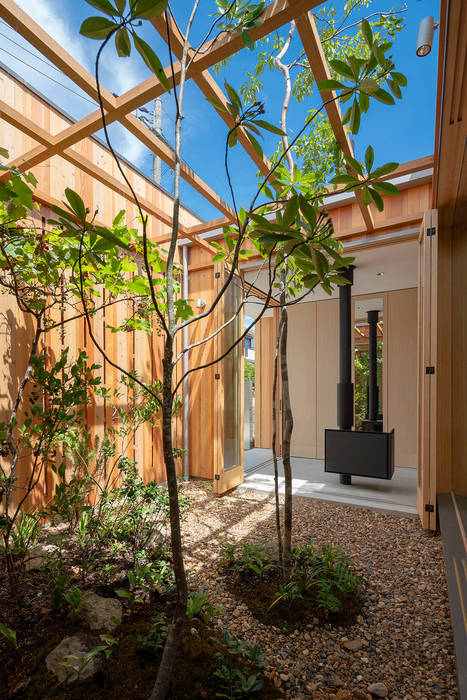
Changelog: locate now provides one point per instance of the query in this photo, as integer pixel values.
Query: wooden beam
(311, 43)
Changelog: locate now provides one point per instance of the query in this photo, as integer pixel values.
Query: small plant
(154, 641)
(200, 608)
(234, 683)
(9, 634)
(25, 532)
(255, 558)
(228, 552)
(57, 578)
(74, 598)
(78, 663)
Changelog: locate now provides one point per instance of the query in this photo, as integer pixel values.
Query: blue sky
(399, 133)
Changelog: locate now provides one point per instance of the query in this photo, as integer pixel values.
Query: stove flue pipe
(345, 389)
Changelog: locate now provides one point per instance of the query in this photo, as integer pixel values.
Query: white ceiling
(398, 264)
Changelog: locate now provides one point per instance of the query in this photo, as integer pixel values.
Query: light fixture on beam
(426, 31)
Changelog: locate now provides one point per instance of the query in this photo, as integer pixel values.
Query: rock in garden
(101, 614)
(378, 689)
(37, 557)
(353, 644)
(73, 650)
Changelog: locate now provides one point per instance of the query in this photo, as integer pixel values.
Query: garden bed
(401, 636)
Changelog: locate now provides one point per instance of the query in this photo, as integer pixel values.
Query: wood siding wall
(132, 350)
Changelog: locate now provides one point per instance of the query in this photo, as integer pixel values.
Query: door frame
(427, 358)
(225, 480)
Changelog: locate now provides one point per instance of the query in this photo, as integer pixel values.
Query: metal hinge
(217, 275)
(429, 508)
(431, 231)
(429, 370)
(217, 477)
(217, 376)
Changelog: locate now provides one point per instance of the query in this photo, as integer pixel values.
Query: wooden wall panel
(265, 342)
(400, 338)
(303, 377)
(459, 353)
(327, 362)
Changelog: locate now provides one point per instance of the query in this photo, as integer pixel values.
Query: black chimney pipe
(372, 377)
(345, 389)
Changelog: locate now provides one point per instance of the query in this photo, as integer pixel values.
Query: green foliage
(9, 634)
(78, 663)
(154, 641)
(324, 575)
(249, 371)
(199, 607)
(74, 598)
(239, 16)
(123, 25)
(362, 372)
(233, 681)
(24, 533)
(57, 577)
(256, 558)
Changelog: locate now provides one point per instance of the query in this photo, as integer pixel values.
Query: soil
(259, 595)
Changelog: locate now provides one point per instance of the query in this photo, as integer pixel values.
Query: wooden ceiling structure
(119, 108)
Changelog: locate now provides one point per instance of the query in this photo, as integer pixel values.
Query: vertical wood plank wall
(132, 350)
(314, 368)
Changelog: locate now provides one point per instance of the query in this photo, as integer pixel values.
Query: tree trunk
(287, 436)
(274, 445)
(177, 627)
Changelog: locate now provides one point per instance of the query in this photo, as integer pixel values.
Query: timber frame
(119, 108)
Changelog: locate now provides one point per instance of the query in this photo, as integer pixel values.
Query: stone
(37, 557)
(378, 689)
(101, 614)
(77, 647)
(353, 645)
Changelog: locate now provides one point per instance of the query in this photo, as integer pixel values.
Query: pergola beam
(311, 43)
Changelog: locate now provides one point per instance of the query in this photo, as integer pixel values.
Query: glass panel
(362, 363)
(232, 379)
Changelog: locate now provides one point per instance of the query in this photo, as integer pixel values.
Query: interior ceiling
(380, 269)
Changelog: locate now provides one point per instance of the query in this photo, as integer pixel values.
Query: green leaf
(368, 85)
(269, 127)
(233, 95)
(4, 153)
(386, 188)
(97, 27)
(103, 6)
(384, 97)
(344, 180)
(121, 4)
(9, 634)
(76, 204)
(149, 9)
(354, 121)
(151, 60)
(354, 164)
(325, 85)
(308, 211)
(247, 40)
(384, 170)
(254, 142)
(111, 237)
(366, 199)
(364, 102)
(377, 199)
(369, 158)
(341, 68)
(233, 138)
(122, 42)
(399, 78)
(219, 257)
(290, 211)
(367, 33)
(379, 55)
(395, 89)
(217, 105)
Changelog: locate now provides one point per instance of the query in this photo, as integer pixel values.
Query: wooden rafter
(311, 43)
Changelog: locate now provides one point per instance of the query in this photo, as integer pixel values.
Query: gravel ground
(403, 638)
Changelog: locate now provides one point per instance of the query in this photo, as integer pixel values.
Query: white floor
(310, 480)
